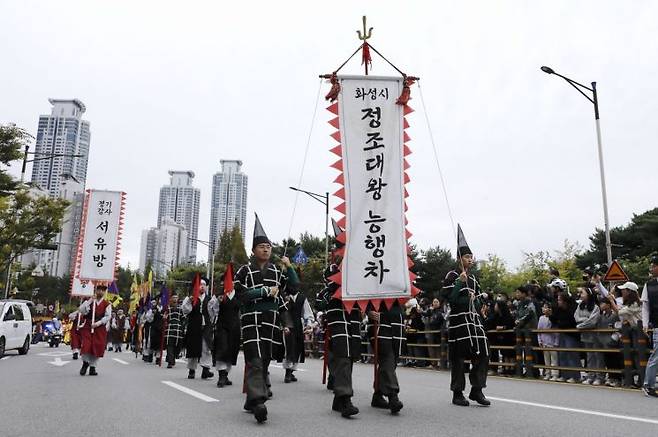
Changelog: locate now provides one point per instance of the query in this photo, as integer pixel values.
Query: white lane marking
(577, 410)
(181, 361)
(54, 354)
(120, 361)
(4, 358)
(190, 392)
(278, 366)
(58, 362)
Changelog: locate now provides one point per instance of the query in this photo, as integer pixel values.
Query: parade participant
(649, 301)
(343, 334)
(227, 331)
(259, 287)
(153, 343)
(76, 318)
(301, 315)
(174, 331)
(199, 331)
(386, 328)
(93, 332)
(118, 330)
(148, 346)
(467, 339)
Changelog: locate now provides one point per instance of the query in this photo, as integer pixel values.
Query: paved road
(42, 394)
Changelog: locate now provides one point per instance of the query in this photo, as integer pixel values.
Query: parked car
(15, 325)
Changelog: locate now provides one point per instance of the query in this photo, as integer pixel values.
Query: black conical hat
(462, 245)
(337, 229)
(259, 234)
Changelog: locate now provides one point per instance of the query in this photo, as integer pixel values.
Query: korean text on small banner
(101, 235)
(371, 129)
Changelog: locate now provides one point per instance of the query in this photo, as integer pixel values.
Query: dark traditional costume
(301, 315)
(118, 330)
(263, 313)
(174, 334)
(227, 336)
(199, 332)
(344, 336)
(467, 339)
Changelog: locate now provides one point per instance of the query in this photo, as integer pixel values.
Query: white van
(15, 325)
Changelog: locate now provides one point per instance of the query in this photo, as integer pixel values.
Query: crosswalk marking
(120, 361)
(576, 410)
(190, 392)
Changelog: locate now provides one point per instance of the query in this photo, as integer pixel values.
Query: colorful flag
(196, 288)
(112, 295)
(300, 257)
(164, 297)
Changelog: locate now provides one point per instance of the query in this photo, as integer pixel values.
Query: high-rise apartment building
(62, 133)
(229, 201)
(179, 201)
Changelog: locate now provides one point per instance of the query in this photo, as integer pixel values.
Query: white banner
(81, 288)
(371, 134)
(100, 233)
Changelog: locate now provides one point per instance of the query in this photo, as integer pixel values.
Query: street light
(43, 156)
(595, 101)
(325, 201)
(210, 271)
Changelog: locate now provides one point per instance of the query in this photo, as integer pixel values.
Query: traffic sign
(615, 273)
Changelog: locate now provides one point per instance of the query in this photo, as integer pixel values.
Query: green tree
(493, 272)
(432, 266)
(12, 141)
(28, 222)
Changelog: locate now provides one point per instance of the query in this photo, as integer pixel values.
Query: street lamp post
(323, 199)
(43, 156)
(595, 101)
(210, 271)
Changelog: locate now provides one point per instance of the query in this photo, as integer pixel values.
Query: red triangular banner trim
(405, 137)
(389, 302)
(349, 305)
(338, 165)
(342, 237)
(363, 304)
(406, 178)
(408, 234)
(342, 222)
(336, 136)
(339, 293)
(406, 165)
(340, 193)
(337, 278)
(407, 110)
(334, 122)
(406, 150)
(333, 108)
(340, 252)
(341, 208)
(376, 303)
(405, 124)
(340, 179)
(338, 150)
(410, 263)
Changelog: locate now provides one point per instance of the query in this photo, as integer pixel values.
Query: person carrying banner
(386, 329)
(301, 315)
(343, 335)
(174, 331)
(96, 314)
(199, 333)
(467, 339)
(260, 287)
(227, 330)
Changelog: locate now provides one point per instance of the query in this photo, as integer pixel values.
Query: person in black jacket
(562, 317)
(501, 319)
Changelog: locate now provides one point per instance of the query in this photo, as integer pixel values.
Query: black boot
(221, 381)
(293, 378)
(75, 355)
(206, 373)
(394, 404)
(191, 374)
(347, 408)
(92, 371)
(170, 366)
(228, 381)
(260, 412)
(477, 396)
(149, 359)
(83, 369)
(378, 401)
(288, 377)
(459, 399)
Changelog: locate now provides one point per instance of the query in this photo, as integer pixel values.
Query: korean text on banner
(101, 235)
(371, 124)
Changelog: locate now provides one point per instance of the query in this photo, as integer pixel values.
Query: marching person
(154, 340)
(343, 332)
(301, 315)
(117, 330)
(147, 332)
(386, 328)
(199, 332)
(174, 331)
(467, 339)
(76, 319)
(259, 286)
(649, 301)
(93, 332)
(227, 331)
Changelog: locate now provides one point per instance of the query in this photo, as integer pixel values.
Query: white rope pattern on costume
(436, 158)
(301, 174)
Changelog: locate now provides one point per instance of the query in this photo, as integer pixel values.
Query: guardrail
(633, 350)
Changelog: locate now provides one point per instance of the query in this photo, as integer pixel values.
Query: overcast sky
(181, 85)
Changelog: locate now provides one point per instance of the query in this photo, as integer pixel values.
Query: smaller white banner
(101, 235)
(81, 288)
